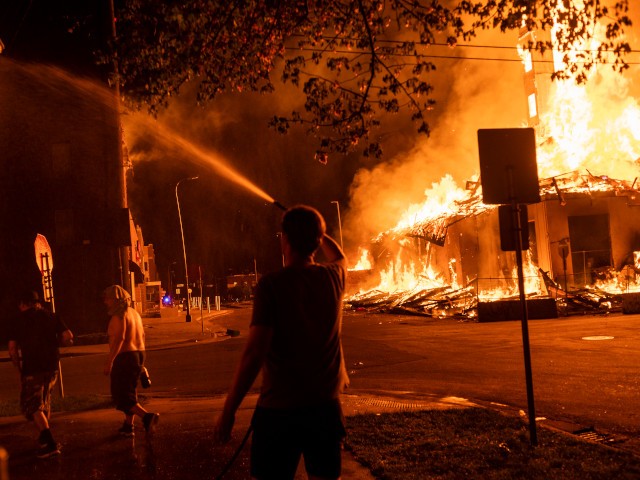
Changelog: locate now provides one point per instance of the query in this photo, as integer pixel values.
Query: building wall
(623, 228)
(60, 159)
(474, 242)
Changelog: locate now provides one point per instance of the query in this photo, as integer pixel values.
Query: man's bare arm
(250, 364)
(332, 251)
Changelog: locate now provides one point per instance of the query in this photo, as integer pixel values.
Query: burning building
(444, 258)
(583, 241)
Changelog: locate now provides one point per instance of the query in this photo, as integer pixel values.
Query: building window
(590, 242)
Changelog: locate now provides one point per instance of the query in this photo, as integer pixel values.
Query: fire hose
(246, 436)
(249, 430)
(279, 205)
(234, 456)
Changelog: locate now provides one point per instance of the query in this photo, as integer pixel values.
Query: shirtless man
(126, 358)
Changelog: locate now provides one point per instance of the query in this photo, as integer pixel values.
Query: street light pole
(184, 250)
(339, 221)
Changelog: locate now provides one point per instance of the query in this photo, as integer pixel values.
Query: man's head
(304, 228)
(116, 299)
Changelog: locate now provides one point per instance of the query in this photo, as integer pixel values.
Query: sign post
(509, 177)
(44, 260)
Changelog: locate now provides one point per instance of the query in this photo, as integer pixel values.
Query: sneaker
(150, 420)
(126, 430)
(49, 450)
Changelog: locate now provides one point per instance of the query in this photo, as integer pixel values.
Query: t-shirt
(304, 365)
(37, 333)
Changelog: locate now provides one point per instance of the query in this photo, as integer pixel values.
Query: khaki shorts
(35, 395)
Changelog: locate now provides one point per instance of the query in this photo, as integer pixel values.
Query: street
(585, 381)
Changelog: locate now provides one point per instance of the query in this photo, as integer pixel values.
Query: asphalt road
(580, 375)
(585, 381)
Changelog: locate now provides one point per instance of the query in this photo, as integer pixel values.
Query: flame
(627, 280)
(533, 284)
(405, 276)
(593, 126)
(440, 200)
(364, 262)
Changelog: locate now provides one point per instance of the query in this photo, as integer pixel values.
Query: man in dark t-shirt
(33, 346)
(295, 339)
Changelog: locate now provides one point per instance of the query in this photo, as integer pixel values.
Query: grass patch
(477, 443)
(58, 404)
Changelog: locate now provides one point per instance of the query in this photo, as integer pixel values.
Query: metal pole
(121, 191)
(515, 210)
(48, 287)
(184, 250)
(339, 222)
(201, 313)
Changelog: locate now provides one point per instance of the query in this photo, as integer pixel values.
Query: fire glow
(587, 136)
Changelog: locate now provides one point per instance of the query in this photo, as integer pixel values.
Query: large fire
(587, 135)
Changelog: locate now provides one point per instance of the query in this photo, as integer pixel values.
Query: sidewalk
(171, 329)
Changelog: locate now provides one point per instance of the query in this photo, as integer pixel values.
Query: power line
(445, 57)
(459, 45)
(497, 47)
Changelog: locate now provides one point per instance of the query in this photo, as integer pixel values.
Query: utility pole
(201, 313)
(119, 199)
(184, 249)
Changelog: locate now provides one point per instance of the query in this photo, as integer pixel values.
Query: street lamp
(339, 221)
(184, 250)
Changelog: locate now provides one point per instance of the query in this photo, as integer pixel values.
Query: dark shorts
(35, 394)
(124, 379)
(282, 436)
